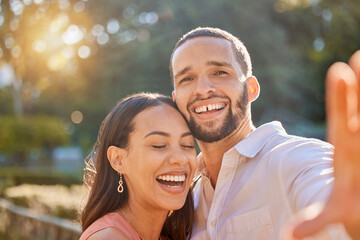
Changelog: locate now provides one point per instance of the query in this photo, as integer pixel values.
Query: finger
(334, 100)
(340, 100)
(354, 63)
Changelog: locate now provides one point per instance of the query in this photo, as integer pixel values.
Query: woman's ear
(115, 156)
(253, 88)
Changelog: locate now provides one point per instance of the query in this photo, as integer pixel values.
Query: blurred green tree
(21, 135)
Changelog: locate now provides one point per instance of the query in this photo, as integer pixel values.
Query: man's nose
(204, 86)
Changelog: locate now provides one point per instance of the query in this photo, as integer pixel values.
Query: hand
(343, 116)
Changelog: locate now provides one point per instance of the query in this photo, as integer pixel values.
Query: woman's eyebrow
(165, 134)
(186, 134)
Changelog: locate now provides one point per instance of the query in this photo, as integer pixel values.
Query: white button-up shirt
(263, 181)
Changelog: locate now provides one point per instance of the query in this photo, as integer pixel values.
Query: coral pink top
(111, 220)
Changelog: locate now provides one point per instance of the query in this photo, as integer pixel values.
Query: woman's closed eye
(188, 146)
(159, 146)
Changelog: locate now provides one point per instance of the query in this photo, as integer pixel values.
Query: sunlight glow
(39, 46)
(68, 52)
(61, 21)
(57, 62)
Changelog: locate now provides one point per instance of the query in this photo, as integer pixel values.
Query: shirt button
(213, 223)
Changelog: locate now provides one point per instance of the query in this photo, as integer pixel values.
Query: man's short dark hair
(241, 54)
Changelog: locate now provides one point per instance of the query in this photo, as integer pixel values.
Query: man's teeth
(172, 178)
(209, 107)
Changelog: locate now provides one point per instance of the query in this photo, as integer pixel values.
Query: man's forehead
(195, 46)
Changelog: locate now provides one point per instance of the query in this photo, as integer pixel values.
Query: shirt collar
(255, 141)
(249, 146)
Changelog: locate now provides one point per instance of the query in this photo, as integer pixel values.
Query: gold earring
(120, 188)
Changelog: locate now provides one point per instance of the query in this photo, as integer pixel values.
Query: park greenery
(70, 61)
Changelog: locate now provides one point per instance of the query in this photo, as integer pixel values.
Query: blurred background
(65, 63)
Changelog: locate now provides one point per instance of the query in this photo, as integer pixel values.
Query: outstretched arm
(343, 116)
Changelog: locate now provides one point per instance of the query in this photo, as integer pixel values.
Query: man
(255, 179)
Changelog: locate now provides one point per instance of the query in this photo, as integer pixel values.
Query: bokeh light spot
(2, 19)
(79, 6)
(16, 51)
(77, 117)
(14, 24)
(102, 39)
(84, 51)
(9, 42)
(17, 7)
(113, 26)
(130, 11)
(97, 30)
(72, 35)
(64, 4)
(318, 44)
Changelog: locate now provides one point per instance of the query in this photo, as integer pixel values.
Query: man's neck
(214, 152)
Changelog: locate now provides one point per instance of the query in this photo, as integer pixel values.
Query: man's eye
(159, 146)
(220, 73)
(185, 79)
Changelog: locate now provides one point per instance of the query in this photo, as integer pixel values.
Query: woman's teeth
(173, 178)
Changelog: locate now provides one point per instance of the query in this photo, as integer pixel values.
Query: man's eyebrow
(158, 133)
(220, 64)
(182, 72)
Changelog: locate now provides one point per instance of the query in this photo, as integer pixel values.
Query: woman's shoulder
(109, 233)
(108, 227)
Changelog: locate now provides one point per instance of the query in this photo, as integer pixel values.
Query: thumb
(311, 220)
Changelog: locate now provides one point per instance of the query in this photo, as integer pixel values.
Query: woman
(145, 161)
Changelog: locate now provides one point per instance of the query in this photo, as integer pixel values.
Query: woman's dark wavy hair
(103, 180)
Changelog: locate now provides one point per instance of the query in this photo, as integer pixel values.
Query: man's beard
(230, 124)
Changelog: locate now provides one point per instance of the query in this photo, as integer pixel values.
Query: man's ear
(116, 157)
(253, 88)
(173, 96)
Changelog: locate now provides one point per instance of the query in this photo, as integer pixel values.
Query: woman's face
(161, 159)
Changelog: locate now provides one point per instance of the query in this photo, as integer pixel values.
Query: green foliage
(13, 176)
(55, 200)
(20, 135)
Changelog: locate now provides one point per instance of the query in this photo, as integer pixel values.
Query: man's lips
(210, 108)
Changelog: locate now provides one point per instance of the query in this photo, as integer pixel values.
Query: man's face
(210, 88)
